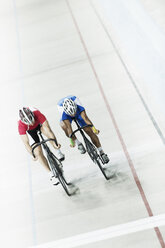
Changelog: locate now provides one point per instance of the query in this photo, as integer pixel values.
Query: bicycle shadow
(114, 171)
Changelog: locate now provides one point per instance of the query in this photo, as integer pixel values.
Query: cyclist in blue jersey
(70, 107)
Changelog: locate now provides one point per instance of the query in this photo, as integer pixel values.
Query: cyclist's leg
(74, 140)
(64, 128)
(41, 158)
(95, 140)
(38, 151)
(46, 130)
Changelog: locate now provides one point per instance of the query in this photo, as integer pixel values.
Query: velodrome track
(111, 55)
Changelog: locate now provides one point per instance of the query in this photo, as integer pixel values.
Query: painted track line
(156, 126)
(106, 233)
(34, 235)
(137, 181)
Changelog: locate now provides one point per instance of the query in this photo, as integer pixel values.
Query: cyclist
(70, 107)
(31, 121)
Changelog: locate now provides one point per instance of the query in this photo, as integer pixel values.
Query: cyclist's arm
(25, 140)
(69, 129)
(46, 130)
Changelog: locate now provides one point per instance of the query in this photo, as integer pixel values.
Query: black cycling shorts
(33, 133)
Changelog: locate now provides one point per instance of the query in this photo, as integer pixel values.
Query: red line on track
(137, 181)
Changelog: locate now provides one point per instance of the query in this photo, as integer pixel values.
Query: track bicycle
(91, 149)
(55, 164)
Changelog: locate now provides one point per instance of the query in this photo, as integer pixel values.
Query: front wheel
(63, 182)
(97, 161)
(57, 171)
(95, 157)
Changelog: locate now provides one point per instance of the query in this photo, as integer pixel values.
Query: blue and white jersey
(64, 116)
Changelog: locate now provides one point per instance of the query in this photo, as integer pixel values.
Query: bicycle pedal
(55, 184)
(62, 159)
(102, 161)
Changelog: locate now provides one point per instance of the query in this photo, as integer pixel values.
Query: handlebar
(78, 129)
(42, 142)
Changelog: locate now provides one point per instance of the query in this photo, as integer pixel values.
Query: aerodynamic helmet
(26, 116)
(69, 106)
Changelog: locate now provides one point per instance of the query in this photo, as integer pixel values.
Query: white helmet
(26, 116)
(69, 106)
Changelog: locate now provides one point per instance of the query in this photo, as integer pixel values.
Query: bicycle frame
(45, 146)
(80, 129)
(53, 162)
(91, 149)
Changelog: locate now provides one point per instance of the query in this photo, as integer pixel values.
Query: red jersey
(39, 119)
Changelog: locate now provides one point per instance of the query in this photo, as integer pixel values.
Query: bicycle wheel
(57, 172)
(59, 168)
(95, 156)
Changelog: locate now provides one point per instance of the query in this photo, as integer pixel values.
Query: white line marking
(24, 103)
(107, 233)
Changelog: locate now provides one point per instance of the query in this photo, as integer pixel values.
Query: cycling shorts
(34, 135)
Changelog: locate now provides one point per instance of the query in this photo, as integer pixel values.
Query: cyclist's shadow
(111, 170)
(114, 171)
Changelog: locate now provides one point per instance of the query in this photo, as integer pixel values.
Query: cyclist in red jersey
(31, 121)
